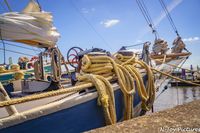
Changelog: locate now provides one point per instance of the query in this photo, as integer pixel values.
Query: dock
(182, 118)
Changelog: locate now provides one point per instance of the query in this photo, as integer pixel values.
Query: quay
(182, 118)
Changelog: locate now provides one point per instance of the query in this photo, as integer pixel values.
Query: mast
(4, 47)
(4, 53)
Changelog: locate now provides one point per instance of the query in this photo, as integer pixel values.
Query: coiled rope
(131, 63)
(107, 68)
(98, 70)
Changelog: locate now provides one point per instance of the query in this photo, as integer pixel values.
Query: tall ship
(103, 89)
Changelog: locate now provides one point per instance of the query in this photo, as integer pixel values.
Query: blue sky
(110, 24)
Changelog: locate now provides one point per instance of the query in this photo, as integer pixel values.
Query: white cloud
(191, 39)
(109, 23)
(87, 10)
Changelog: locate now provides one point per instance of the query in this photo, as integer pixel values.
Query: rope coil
(98, 70)
(107, 68)
(147, 94)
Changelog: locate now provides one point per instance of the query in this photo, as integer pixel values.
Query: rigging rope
(21, 47)
(138, 44)
(3, 6)
(176, 78)
(131, 63)
(147, 16)
(16, 52)
(169, 17)
(39, 5)
(7, 4)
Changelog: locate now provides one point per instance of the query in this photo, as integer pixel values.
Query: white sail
(31, 26)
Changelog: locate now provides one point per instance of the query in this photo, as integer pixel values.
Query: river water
(174, 96)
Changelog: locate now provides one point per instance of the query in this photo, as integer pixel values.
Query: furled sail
(31, 26)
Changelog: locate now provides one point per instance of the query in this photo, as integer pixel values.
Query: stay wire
(16, 52)
(8, 6)
(39, 5)
(3, 6)
(169, 17)
(21, 47)
(138, 44)
(145, 13)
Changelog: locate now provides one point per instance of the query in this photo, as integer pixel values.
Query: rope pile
(97, 70)
(103, 68)
(126, 74)
(131, 63)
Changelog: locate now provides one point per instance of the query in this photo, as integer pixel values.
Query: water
(174, 96)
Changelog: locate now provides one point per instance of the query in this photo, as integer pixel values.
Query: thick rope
(176, 78)
(147, 95)
(92, 68)
(105, 96)
(45, 95)
(106, 67)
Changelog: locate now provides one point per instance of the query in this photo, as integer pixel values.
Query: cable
(147, 16)
(21, 47)
(92, 27)
(165, 88)
(147, 12)
(3, 7)
(143, 6)
(16, 52)
(39, 5)
(169, 17)
(138, 44)
(7, 4)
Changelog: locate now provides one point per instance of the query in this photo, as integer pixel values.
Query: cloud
(191, 39)
(87, 10)
(109, 23)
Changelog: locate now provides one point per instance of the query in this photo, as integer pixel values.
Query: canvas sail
(31, 26)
